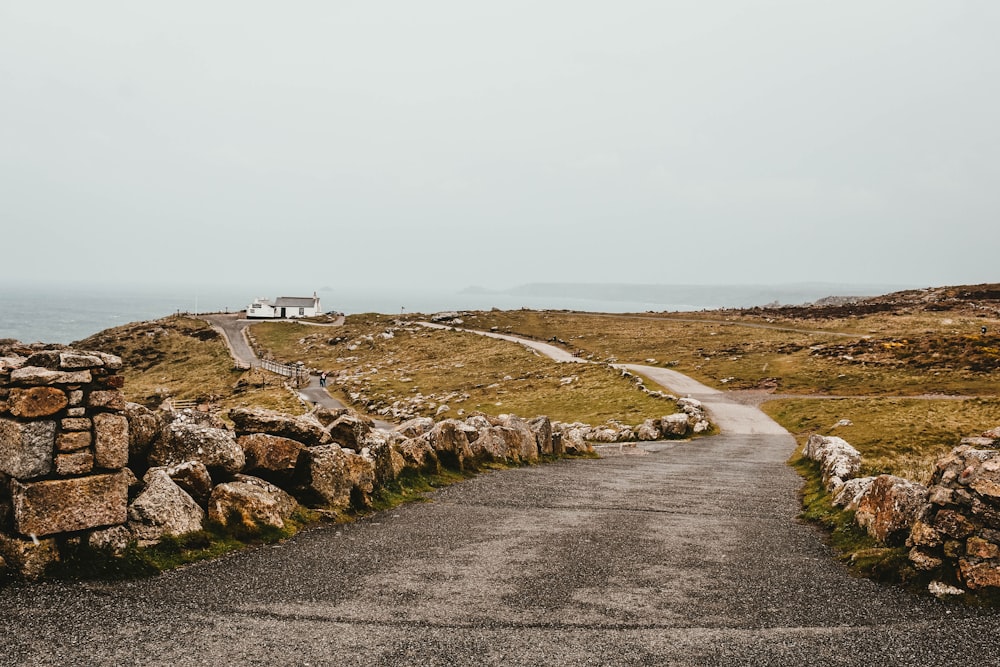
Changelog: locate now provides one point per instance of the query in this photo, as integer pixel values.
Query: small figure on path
(322, 379)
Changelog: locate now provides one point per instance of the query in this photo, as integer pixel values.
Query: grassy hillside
(184, 358)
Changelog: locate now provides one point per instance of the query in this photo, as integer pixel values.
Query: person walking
(322, 379)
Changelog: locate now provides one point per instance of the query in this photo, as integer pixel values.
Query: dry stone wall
(63, 449)
(952, 527)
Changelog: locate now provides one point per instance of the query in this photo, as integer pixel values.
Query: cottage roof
(295, 302)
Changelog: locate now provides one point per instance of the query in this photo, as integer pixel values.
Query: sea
(65, 314)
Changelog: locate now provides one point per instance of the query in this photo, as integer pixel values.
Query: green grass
(852, 544)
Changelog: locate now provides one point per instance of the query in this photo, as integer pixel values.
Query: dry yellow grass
(380, 364)
(898, 436)
(185, 358)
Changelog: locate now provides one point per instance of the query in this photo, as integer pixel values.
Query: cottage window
(302, 311)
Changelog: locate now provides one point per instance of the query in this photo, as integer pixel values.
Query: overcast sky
(471, 143)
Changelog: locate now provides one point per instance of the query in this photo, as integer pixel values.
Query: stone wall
(952, 528)
(63, 449)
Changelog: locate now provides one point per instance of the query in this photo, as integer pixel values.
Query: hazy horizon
(448, 144)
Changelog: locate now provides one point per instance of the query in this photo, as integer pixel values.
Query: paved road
(683, 554)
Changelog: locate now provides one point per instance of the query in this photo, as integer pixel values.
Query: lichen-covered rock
(542, 428)
(270, 453)
(922, 560)
(378, 448)
(977, 574)
(305, 429)
(450, 440)
(110, 440)
(193, 477)
(850, 493)
(350, 429)
(74, 463)
(648, 431)
(39, 376)
(419, 455)
(521, 442)
(163, 508)
(675, 425)
(114, 540)
(574, 443)
(335, 477)
(890, 506)
(250, 502)
(188, 438)
(36, 402)
(26, 449)
(415, 427)
(838, 461)
(68, 505)
(144, 427)
(29, 558)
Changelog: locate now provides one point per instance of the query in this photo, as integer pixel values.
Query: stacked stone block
(960, 537)
(63, 450)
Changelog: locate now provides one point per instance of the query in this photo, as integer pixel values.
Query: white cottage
(285, 307)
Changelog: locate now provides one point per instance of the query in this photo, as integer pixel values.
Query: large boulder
(305, 429)
(270, 455)
(350, 429)
(334, 477)
(418, 455)
(675, 425)
(890, 506)
(542, 428)
(491, 445)
(521, 442)
(574, 441)
(250, 503)
(850, 493)
(450, 440)
(648, 430)
(190, 438)
(194, 478)
(378, 448)
(163, 508)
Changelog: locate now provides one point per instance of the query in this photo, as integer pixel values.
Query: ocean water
(59, 315)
